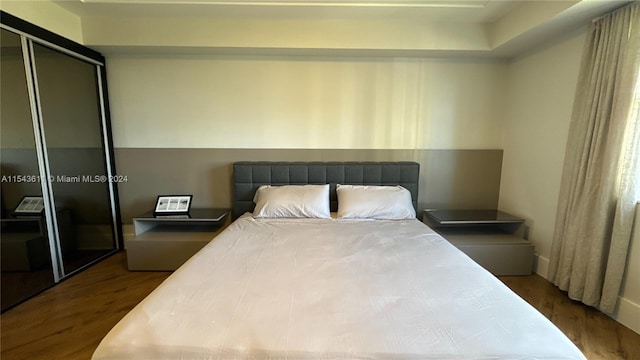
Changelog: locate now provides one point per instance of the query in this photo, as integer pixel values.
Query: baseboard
(628, 314)
(541, 266)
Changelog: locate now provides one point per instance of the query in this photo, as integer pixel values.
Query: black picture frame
(172, 205)
(30, 205)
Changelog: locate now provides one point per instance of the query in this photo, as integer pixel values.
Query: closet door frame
(31, 34)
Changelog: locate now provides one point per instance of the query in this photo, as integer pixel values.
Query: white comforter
(331, 289)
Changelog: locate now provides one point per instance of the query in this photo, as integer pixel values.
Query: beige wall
(198, 101)
(541, 87)
(179, 121)
(48, 15)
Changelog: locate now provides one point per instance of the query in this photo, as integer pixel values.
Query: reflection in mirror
(71, 117)
(25, 253)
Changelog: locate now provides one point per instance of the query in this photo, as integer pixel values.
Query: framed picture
(30, 205)
(173, 205)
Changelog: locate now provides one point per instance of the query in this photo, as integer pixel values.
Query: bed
(340, 286)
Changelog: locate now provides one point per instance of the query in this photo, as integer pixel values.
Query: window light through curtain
(631, 147)
(600, 184)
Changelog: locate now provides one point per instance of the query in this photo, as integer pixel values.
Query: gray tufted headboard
(248, 176)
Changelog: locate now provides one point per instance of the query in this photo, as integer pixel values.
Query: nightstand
(492, 238)
(166, 242)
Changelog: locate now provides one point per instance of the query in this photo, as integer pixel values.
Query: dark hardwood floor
(596, 334)
(69, 320)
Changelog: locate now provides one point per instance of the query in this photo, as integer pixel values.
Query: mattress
(333, 289)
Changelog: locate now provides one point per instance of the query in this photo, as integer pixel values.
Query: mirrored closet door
(59, 209)
(68, 95)
(25, 253)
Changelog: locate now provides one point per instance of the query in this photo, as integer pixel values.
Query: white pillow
(292, 201)
(374, 202)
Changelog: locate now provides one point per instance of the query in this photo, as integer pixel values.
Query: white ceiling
(498, 28)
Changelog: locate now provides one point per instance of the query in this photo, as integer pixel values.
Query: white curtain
(599, 187)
